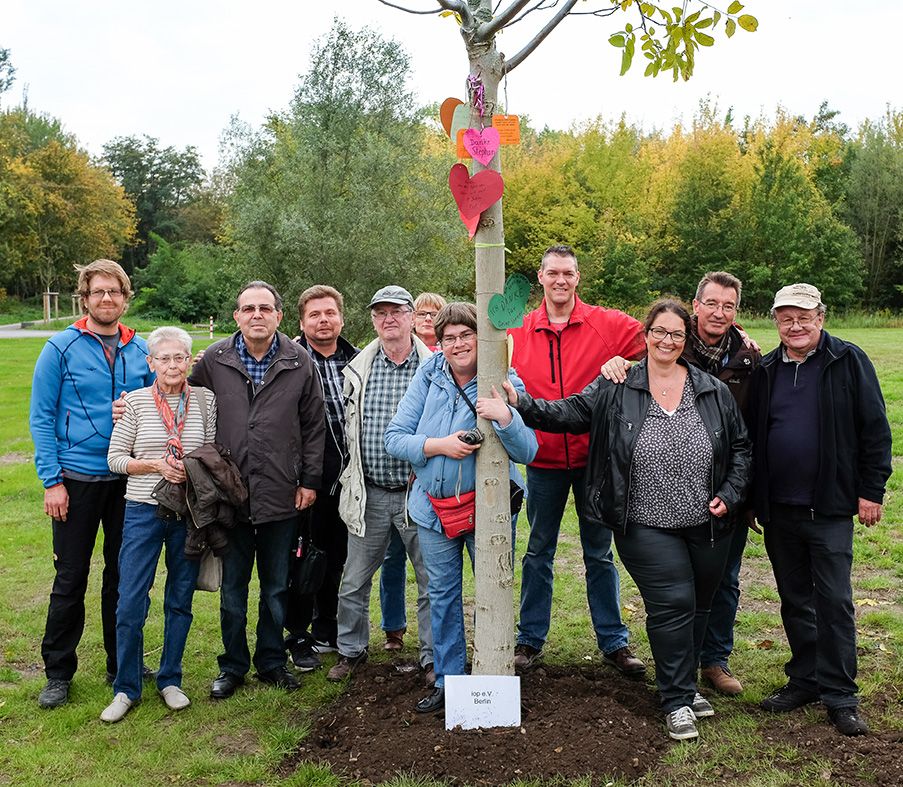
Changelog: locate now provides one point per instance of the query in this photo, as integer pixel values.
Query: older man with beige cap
(374, 484)
(822, 455)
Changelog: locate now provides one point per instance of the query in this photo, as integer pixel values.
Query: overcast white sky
(177, 70)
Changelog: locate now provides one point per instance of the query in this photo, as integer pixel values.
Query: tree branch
(488, 29)
(459, 7)
(409, 10)
(514, 62)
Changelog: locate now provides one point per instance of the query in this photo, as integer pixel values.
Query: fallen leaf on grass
(765, 644)
(865, 602)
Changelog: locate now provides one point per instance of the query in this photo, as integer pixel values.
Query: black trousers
(812, 559)
(91, 505)
(677, 572)
(317, 611)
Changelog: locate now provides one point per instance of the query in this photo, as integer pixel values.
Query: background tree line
(347, 185)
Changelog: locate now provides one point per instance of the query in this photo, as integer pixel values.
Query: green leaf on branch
(730, 27)
(627, 56)
(749, 23)
(704, 23)
(735, 8)
(617, 40)
(704, 40)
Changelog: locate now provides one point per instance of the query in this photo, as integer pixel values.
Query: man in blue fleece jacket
(78, 374)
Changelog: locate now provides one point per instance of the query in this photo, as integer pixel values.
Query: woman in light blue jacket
(438, 410)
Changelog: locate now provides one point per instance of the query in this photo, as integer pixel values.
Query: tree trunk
(494, 635)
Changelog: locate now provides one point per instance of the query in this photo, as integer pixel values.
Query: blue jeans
(546, 500)
(393, 576)
(719, 636)
(271, 544)
(444, 561)
(143, 537)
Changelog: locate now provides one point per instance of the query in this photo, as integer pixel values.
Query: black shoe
(279, 677)
(225, 685)
(54, 694)
(847, 721)
(432, 703)
(303, 655)
(788, 698)
(147, 675)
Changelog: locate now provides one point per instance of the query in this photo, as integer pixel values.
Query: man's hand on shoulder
(616, 369)
(56, 502)
(119, 407)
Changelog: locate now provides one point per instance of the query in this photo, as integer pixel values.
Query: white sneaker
(682, 723)
(702, 707)
(117, 709)
(174, 698)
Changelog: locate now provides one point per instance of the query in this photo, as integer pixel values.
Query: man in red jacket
(558, 352)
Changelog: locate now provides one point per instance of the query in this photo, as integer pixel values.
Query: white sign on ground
(482, 701)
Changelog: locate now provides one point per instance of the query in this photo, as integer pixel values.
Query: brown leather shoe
(625, 662)
(722, 680)
(430, 674)
(344, 667)
(526, 657)
(394, 639)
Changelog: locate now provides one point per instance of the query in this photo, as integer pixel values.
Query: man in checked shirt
(374, 484)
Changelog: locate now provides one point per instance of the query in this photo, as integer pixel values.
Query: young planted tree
(669, 40)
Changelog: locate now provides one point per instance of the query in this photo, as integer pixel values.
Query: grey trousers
(384, 511)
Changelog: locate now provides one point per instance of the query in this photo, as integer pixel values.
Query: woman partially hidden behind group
(668, 467)
(161, 424)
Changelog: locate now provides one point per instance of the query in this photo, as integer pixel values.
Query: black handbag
(308, 566)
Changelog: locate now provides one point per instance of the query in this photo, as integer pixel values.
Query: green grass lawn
(243, 740)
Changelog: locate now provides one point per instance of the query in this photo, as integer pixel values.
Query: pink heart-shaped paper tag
(474, 194)
(482, 144)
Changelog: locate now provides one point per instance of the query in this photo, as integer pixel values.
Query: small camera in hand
(472, 437)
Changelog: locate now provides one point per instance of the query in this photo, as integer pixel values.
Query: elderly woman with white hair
(160, 424)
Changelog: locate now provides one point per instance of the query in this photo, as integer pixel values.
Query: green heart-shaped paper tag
(506, 310)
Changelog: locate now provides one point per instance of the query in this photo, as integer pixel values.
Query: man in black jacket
(311, 618)
(822, 454)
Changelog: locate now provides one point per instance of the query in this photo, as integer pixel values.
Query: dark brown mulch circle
(573, 723)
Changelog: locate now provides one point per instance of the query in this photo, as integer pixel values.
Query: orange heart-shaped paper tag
(447, 111)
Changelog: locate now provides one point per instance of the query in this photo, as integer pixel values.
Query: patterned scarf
(174, 422)
(710, 357)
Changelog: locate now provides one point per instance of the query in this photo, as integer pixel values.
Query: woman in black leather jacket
(668, 468)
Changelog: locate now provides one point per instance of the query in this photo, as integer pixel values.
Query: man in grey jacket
(374, 484)
(272, 418)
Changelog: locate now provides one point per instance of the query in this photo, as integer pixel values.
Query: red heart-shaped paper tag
(474, 194)
(482, 144)
(470, 223)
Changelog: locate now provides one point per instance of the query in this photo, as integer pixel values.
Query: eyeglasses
(423, 314)
(382, 315)
(102, 293)
(466, 337)
(166, 360)
(250, 308)
(726, 308)
(660, 333)
(566, 275)
(804, 322)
